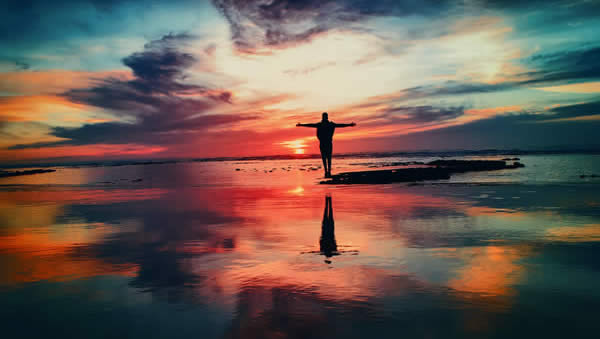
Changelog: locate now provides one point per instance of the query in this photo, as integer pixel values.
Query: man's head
(325, 116)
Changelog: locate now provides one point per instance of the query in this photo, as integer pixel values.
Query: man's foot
(327, 175)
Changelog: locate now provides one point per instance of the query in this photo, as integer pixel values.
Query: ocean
(257, 248)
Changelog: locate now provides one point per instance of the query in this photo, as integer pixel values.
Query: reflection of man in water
(327, 242)
(325, 130)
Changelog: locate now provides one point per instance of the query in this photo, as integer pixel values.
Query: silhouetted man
(325, 130)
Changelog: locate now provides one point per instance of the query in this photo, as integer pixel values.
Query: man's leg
(324, 158)
(329, 153)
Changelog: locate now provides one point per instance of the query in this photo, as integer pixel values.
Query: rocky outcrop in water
(461, 166)
(439, 169)
(4, 174)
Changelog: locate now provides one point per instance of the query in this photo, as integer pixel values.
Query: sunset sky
(98, 79)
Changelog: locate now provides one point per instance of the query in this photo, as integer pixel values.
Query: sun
(296, 146)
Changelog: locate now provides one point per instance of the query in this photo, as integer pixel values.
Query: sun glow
(297, 146)
(298, 190)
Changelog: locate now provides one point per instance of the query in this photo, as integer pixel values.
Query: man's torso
(325, 132)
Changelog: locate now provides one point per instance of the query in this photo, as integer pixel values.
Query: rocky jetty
(437, 170)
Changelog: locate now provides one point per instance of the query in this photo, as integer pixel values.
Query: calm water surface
(258, 250)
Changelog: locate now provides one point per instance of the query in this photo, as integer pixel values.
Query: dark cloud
(164, 109)
(154, 130)
(515, 131)
(567, 65)
(453, 88)
(160, 61)
(159, 70)
(574, 111)
(419, 114)
(279, 23)
(21, 65)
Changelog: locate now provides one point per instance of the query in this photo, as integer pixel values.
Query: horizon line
(377, 154)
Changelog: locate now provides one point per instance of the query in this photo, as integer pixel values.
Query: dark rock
(388, 164)
(390, 176)
(439, 169)
(461, 166)
(4, 174)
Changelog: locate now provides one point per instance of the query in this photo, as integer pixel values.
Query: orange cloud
(81, 151)
(36, 108)
(586, 87)
(593, 117)
(53, 81)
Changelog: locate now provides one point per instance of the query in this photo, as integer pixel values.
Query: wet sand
(211, 250)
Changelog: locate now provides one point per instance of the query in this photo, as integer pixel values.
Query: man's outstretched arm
(307, 125)
(352, 124)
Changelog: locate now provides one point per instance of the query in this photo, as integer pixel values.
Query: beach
(248, 248)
